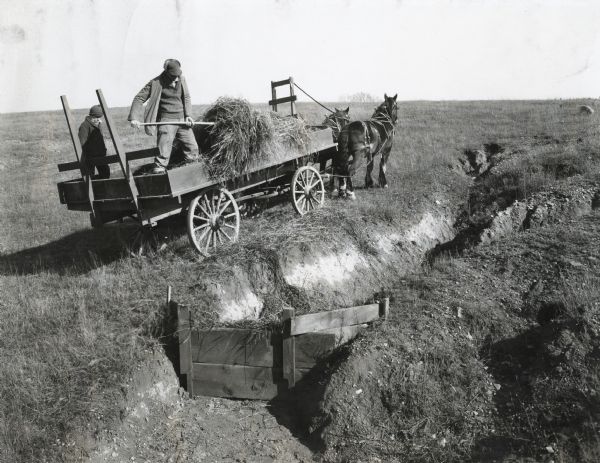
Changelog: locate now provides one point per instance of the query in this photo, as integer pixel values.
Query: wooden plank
(78, 152)
(120, 204)
(280, 83)
(131, 156)
(285, 99)
(384, 308)
(72, 191)
(274, 94)
(80, 207)
(153, 216)
(236, 381)
(251, 348)
(147, 185)
(119, 149)
(72, 132)
(194, 177)
(237, 347)
(189, 178)
(334, 319)
(240, 382)
(344, 333)
(292, 95)
(312, 347)
(104, 160)
(185, 347)
(67, 166)
(288, 347)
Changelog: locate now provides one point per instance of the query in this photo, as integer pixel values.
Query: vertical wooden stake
(125, 167)
(289, 348)
(184, 333)
(85, 172)
(273, 97)
(292, 103)
(168, 295)
(384, 308)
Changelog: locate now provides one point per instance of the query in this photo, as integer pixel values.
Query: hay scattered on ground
(243, 135)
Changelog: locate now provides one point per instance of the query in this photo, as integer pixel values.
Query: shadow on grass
(85, 250)
(76, 253)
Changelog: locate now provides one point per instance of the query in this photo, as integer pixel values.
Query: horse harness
(368, 136)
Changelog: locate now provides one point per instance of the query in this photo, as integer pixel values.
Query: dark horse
(364, 140)
(337, 120)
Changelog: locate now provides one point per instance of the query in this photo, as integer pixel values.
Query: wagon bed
(150, 198)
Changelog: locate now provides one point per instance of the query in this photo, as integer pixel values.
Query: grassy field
(77, 313)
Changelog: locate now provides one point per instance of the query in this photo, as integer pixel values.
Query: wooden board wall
(250, 364)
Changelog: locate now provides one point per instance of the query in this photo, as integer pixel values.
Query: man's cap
(173, 68)
(96, 111)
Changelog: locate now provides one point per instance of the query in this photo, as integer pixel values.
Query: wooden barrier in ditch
(250, 364)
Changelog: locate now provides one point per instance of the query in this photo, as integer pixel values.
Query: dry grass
(243, 136)
(77, 314)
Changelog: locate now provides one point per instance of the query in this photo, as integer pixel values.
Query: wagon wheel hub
(216, 221)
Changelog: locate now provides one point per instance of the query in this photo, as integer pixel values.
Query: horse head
(337, 120)
(388, 110)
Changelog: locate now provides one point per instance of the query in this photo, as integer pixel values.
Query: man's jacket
(151, 94)
(91, 139)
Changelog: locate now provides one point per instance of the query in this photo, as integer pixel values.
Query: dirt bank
(361, 259)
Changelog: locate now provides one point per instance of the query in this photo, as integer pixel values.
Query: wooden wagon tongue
(250, 364)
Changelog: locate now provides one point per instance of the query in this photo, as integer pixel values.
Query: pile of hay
(243, 136)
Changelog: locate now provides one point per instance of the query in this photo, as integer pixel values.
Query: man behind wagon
(92, 142)
(167, 99)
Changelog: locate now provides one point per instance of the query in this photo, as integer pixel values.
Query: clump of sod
(242, 135)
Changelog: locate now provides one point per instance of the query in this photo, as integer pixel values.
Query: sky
(419, 49)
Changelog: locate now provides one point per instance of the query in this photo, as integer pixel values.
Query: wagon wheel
(213, 219)
(308, 191)
(142, 241)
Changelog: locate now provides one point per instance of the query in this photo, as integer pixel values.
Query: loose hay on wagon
(253, 156)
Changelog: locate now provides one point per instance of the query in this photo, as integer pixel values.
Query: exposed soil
(489, 356)
(162, 424)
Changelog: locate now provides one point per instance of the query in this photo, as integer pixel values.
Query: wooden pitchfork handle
(144, 124)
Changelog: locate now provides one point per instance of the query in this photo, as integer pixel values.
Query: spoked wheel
(213, 219)
(142, 241)
(308, 191)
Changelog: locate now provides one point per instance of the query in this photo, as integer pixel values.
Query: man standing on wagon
(167, 99)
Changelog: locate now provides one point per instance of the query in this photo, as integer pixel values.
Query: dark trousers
(103, 171)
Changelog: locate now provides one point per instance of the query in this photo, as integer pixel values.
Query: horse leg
(382, 169)
(351, 194)
(342, 187)
(368, 179)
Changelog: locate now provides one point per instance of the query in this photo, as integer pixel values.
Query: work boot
(189, 160)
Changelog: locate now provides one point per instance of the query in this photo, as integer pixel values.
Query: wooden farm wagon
(212, 204)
